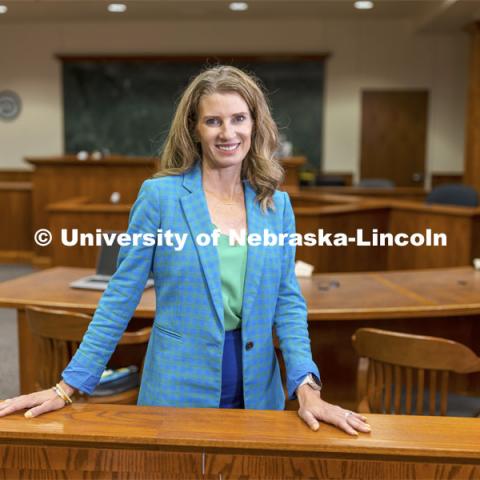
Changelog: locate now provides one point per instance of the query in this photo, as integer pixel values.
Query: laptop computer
(106, 266)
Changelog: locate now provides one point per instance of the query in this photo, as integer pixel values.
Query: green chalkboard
(125, 106)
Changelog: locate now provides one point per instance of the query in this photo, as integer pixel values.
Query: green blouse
(233, 265)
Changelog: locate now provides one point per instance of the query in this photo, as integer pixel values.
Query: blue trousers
(232, 373)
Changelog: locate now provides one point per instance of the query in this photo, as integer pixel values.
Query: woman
(211, 345)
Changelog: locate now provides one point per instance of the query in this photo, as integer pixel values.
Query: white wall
(363, 55)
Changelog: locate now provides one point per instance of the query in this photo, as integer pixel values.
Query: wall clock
(10, 105)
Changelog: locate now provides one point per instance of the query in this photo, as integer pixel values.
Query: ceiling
(426, 15)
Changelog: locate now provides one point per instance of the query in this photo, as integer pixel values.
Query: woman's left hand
(313, 409)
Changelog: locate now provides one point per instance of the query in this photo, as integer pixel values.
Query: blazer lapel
(198, 218)
(255, 255)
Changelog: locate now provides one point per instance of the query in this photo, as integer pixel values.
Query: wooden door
(394, 136)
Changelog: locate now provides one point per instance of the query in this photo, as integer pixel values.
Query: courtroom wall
(364, 55)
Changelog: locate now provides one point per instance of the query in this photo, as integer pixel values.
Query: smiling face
(224, 129)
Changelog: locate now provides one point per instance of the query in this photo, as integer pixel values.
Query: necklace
(225, 202)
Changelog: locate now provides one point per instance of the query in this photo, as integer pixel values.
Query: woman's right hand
(37, 403)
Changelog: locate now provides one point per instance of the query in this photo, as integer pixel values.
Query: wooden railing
(113, 441)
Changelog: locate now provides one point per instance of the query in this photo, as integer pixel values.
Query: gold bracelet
(69, 400)
(61, 393)
(57, 392)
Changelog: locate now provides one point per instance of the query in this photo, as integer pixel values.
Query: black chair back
(453, 194)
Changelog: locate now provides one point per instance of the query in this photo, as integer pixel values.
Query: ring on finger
(347, 414)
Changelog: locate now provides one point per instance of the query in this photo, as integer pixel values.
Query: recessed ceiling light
(363, 5)
(238, 6)
(3, 9)
(117, 7)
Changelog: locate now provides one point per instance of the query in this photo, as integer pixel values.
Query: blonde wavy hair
(180, 150)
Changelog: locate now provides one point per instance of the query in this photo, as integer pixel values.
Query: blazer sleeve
(291, 315)
(120, 299)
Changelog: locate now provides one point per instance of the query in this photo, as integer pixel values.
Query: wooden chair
(59, 334)
(396, 370)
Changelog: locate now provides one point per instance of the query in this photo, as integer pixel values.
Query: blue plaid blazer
(183, 364)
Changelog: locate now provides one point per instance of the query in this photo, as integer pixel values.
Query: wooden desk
(168, 443)
(438, 292)
(441, 302)
(347, 214)
(50, 288)
(438, 302)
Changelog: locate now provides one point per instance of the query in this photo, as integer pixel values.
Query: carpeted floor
(9, 383)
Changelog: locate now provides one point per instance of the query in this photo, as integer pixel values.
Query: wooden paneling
(472, 146)
(34, 462)
(347, 213)
(407, 193)
(411, 219)
(225, 466)
(15, 175)
(332, 220)
(61, 178)
(394, 134)
(320, 197)
(86, 218)
(15, 221)
(443, 178)
(315, 213)
(397, 193)
(56, 179)
(156, 442)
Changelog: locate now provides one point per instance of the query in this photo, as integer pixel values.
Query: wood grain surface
(91, 441)
(330, 296)
(279, 431)
(51, 288)
(439, 292)
(59, 178)
(472, 139)
(394, 135)
(15, 221)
